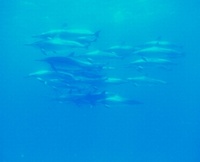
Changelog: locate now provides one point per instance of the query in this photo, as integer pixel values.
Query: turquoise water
(163, 128)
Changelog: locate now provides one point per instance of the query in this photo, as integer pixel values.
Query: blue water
(165, 128)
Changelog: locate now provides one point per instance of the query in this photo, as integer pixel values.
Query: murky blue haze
(165, 128)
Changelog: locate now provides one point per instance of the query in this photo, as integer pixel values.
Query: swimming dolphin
(57, 62)
(119, 100)
(160, 43)
(97, 54)
(91, 98)
(159, 52)
(122, 51)
(115, 81)
(94, 98)
(47, 76)
(56, 45)
(69, 34)
(151, 63)
(91, 73)
(144, 80)
(98, 83)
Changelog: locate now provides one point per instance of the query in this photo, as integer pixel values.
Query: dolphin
(91, 98)
(144, 80)
(122, 51)
(47, 76)
(115, 81)
(92, 73)
(68, 87)
(61, 80)
(81, 34)
(56, 45)
(98, 83)
(94, 98)
(50, 74)
(152, 62)
(119, 100)
(57, 62)
(156, 51)
(98, 54)
(159, 43)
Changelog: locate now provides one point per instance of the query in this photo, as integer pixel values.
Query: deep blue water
(165, 128)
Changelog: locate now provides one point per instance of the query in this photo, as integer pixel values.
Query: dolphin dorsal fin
(90, 60)
(158, 40)
(145, 59)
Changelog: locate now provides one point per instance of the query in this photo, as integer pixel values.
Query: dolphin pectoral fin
(90, 60)
(140, 69)
(43, 51)
(107, 106)
(136, 84)
(94, 89)
(49, 38)
(145, 59)
(53, 67)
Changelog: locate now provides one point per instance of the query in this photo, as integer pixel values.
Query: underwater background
(164, 128)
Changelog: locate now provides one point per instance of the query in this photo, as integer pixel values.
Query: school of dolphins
(84, 75)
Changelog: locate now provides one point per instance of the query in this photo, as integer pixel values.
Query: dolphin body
(102, 80)
(57, 62)
(91, 98)
(163, 44)
(118, 100)
(115, 81)
(97, 54)
(152, 62)
(56, 45)
(156, 51)
(122, 51)
(144, 80)
(50, 74)
(82, 83)
(94, 98)
(70, 34)
(63, 80)
(91, 74)
(48, 77)
(98, 83)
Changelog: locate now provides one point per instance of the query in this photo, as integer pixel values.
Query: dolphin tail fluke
(43, 51)
(53, 67)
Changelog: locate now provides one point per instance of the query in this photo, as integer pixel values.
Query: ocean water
(164, 128)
